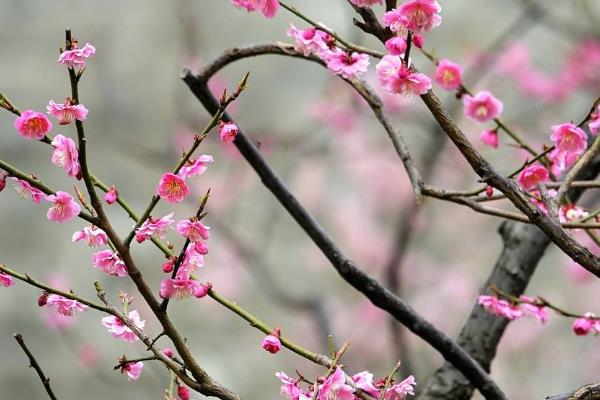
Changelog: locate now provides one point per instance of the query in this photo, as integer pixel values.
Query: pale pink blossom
(192, 261)
(414, 15)
(310, 40)
(32, 125)
(228, 131)
(561, 161)
(366, 3)
(77, 56)
(571, 212)
(111, 196)
(110, 263)
(271, 343)
(289, 386)
(514, 60)
(67, 112)
(594, 123)
(183, 288)
(364, 382)
(482, 107)
(499, 307)
(531, 307)
(490, 137)
(64, 306)
(133, 370)
(335, 387)
(6, 280)
(118, 329)
(154, 228)
(193, 229)
(400, 390)
(346, 64)
(25, 190)
(65, 154)
(538, 201)
(532, 175)
(448, 74)
(93, 236)
(195, 167)
(570, 142)
(396, 46)
(172, 188)
(583, 326)
(397, 78)
(267, 7)
(63, 209)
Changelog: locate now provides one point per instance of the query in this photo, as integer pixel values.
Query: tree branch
(35, 365)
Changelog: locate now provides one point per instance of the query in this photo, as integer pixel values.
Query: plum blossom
(3, 176)
(289, 386)
(183, 392)
(531, 307)
(271, 342)
(310, 40)
(183, 288)
(583, 326)
(228, 131)
(93, 236)
(65, 154)
(77, 56)
(418, 41)
(571, 212)
(67, 112)
(482, 107)
(6, 280)
(25, 190)
(396, 46)
(570, 142)
(364, 382)
(414, 15)
(267, 7)
(64, 306)
(193, 229)
(64, 208)
(400, 390)
(192, 261)
(594, 123)
(490, 137)
(366, 3)
(448, 74)
(111, 196)
(118, 329)
(532, 175)
(502, 308)
(172, 188)
(153, 228)
(168, 352)
(195, 167)
(346, 64)
(33, 125)
(110, 263)
(397, 78)
(335, 387)
(133, 370)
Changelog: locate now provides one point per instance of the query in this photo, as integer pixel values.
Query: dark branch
(35, 365)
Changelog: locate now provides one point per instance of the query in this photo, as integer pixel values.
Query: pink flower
(201, 248)
(65, 154)
(195, 167)
(154, 228)
(500, 307)
(530, 307)
(133, 370)
(193, 229)
(364, 382)
(397, 78)
(571, 212)
(310, 40)
(118, 329)
(76, 57)
(93, 236)
(396, 46)
(6, 280)
(111, 196)
(64, 208)
(414, 15)
(335, 387)
(583, 326)
(3, 176)
(418, 41)
(33, 125)
(168, 266)
(366, 3)
(192, 261)
(490, 137)
(110, 263)
(183, 392)
(25, 190)
(594, 123)
(66, 112)
(168, 352)
(267, 7)
(65, 306)
(172, 188)
(183, 288)
(448, 74)
(348, 65)
(289, 386)
(532, 175)
(399, 391)
(271, 343)
(570, 142)
(482, 107)
(228, 131)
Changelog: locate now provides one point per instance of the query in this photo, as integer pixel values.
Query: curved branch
(35, 365)
(587, 392)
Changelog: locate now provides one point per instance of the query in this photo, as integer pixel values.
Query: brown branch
(587, 392)
(35, 365)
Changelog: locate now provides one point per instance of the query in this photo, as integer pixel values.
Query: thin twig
(35, 365)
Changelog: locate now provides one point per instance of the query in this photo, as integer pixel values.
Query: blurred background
(327, 146)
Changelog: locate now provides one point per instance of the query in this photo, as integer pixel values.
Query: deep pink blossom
(25, 190)
(490, 137)
(193, 229)
(228, 131)
(183, 288)
(64, 306)
(594, 123)
(532, 175)
(65, 154)
(201, 248)
(183, 392)
(448, 74)
(335, 387)
(499, 307)
(570, 142)
(154, 228)
(397, 78)
(172, 188)
(400, 390)
(366, 3)
(195, 167)
(3, 176)
(168, 352)
(482, 107)
(133, 370)
(418, 41)
(6, 280)
(111, 196)
(310, 40)
(346, 64)
(32, 125)
(77, 56)
(168, 266)
(364, 382)
(92, 235)
(267, 7)
(583, 326)
(67, 112)
(289, 386)
(414, 15)
(396, 46)
(271, 342)
(63, 209)
(110, 263)
(118, 329)
(531, 307)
